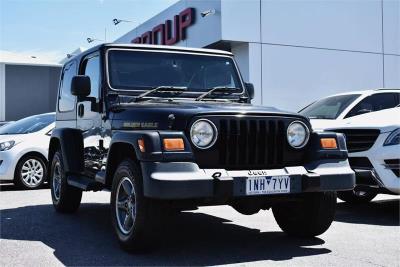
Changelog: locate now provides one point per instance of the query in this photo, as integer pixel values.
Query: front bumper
(185, 180)
(7, 165)
(384, 176)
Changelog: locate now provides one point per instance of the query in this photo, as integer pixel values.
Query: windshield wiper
(163, 89)
(219, 89)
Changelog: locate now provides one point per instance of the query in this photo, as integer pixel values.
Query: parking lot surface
(33, 234)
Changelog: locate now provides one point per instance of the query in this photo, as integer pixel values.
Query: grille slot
(358, 140)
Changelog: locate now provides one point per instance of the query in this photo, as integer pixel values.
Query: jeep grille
(250, 143)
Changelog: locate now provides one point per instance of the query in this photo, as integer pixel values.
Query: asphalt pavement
(33, 234)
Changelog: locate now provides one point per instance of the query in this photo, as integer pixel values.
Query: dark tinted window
(133, 70)
(67, 100)
(375, 102)
(328, 108)
(28, 125)
(92, 69)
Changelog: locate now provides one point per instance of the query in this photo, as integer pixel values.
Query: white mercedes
(370, 121)
(23, 150)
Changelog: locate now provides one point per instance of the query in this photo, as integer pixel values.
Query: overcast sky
(53, 28)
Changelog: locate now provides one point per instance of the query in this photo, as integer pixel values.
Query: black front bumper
(185, 180)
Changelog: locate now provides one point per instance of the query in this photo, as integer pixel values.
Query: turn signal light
(173, 144)
(328, 143)
(141, 145)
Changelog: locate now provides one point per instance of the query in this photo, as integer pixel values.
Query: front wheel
(356, 196)
(30, 172)
(66, 198)
(309, 217)
(132, 214)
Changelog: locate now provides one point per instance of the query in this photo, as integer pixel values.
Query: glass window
(28, 125)
(133, 70)
(92, 69)
(67, 100)
(328, 108)
(373, 103)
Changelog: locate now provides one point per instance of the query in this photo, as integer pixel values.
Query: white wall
(348, 25)
(293, 76)
(392, 71)
(391, 26)
(2, 91)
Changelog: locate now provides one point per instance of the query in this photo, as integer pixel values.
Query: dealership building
(28, 85)
(294, 52)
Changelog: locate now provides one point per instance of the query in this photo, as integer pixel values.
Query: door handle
(81, 110)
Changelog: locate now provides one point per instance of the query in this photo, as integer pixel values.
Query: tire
(127, 190)
(66, 198)
(307, 218)
(30, 172)
(356, 197)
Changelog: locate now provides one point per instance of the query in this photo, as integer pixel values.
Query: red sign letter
(169, 38)
(159, 29)
(186, 18)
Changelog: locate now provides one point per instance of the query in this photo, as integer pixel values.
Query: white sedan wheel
(32, 172)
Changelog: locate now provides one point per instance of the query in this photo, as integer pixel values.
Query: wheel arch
(119, 151)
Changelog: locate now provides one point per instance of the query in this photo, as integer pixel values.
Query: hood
(158, 112)
(386, 120)
(322, 124)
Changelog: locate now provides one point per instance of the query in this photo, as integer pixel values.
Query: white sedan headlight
(6, 145)
(298, 134)
(203, 133)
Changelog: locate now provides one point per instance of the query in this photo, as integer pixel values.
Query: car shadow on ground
(86, 238)
(7, 186)
(380, 212)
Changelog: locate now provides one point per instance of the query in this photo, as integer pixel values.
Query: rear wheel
(65, 198)
(356, 196)
(307, 218)
(30, 172)
(133, 216)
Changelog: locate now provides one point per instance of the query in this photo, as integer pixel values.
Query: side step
(84, 183)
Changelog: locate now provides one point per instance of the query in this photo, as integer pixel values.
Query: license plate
(266, 185)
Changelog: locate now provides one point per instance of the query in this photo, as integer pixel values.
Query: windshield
(328, 108)
(135, 70)
(28, 125)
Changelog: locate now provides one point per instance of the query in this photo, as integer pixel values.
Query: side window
(67, 100)
(91, 68)
(374, 103)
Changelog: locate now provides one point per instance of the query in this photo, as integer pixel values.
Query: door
(88, 119)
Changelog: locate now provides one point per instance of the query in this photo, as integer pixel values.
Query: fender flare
(70, 142)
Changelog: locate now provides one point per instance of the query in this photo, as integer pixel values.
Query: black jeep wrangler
(168, 129)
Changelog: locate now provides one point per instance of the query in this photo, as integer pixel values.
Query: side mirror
(80, 86)
(250, 90)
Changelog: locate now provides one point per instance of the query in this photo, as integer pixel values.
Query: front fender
(70, 142)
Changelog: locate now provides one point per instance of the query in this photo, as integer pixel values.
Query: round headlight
(203, 133)
(297, 134)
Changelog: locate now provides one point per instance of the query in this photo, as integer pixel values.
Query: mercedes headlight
(203, 133)
(6, 145)
(393, 138)
(298, 134)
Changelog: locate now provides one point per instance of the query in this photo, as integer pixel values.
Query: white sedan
(23, 150)
(373, 142)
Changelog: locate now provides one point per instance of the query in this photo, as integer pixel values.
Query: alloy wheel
(125, 205)
(32, 172)
(57, 180)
